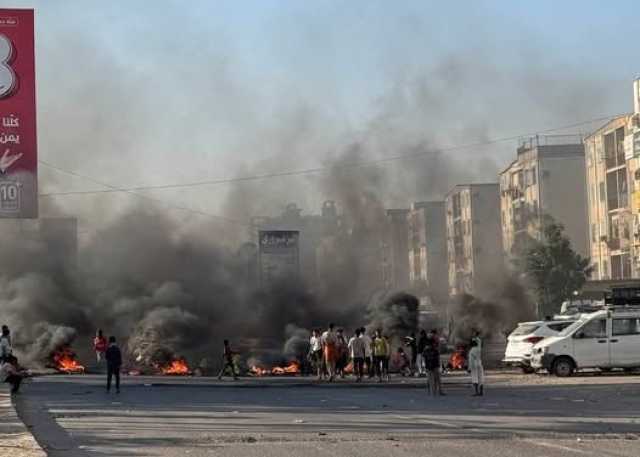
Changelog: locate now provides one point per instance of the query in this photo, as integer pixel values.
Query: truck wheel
(528, 370)
(563, 367)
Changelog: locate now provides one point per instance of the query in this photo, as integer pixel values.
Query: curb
(14, 434)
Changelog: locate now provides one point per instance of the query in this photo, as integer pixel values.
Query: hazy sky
(158, 92)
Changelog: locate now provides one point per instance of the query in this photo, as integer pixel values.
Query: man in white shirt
(315, 352)
(367, 351)
(357, 351)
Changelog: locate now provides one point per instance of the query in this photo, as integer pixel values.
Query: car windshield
(525, 329)
(570, 329)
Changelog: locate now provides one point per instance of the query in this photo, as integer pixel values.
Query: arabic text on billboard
(18, 154)
(279, 254)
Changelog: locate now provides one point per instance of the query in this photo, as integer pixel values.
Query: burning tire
(563, 367)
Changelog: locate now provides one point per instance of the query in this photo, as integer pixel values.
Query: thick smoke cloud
(494, 312)
(173, 278)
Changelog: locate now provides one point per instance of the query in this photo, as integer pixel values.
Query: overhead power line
(307, 171)
(139, 195)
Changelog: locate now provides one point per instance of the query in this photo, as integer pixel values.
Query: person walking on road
(113, 357)
(315, 352)
(6, 349)
(329, 346)
(227, 361)
(476, 368)
(357, 352)
(422, 345)
(432, 365)
(100, 345)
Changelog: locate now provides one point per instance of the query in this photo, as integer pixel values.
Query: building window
(594, 232)
(620, 266)
(617, 192)
(614, 148)
(534, 177)
(602, 192)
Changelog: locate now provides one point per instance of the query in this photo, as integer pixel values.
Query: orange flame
(176, 367)
(457, 360)
(65, 361)
(258, 371)
(292, 368)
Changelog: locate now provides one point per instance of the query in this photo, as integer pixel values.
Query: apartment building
(613, 185)
(395, 266)
(427, 249)
(474, 242)
(547, 178)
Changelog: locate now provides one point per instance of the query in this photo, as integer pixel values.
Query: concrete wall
(486, 233)
(563, 195)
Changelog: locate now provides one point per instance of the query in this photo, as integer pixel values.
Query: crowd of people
(331, 354)
(368, 354)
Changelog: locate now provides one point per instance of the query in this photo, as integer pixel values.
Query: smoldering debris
(296, 346)
(396, 314)
(495, 313)
(51, 340)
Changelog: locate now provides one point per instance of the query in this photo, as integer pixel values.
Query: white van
(604, 339)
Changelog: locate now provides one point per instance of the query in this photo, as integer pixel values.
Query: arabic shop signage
(18, 146)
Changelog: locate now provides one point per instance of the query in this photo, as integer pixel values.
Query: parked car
(604, 339)
(521, 341)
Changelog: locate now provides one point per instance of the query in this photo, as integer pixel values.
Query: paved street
(520, 416)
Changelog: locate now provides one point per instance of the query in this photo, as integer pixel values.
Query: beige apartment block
(427, 249)
(474, 247)
(547, 178)
(613, 184)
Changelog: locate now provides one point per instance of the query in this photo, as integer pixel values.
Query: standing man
(114, 362)
(5, 344)
(357, 352)
(342, 353)
(380, 355)
(315, 352)
(476, 369)
(100, 345)
(422, 345)
(368, 351)
(412, 343)
(329, 345)
(432, 364)
(227, 361)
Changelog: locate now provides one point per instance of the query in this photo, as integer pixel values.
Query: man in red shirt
(100, 345)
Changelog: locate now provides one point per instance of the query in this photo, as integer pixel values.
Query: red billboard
(18, 146)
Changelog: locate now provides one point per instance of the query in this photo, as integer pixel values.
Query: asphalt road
(73, 416)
